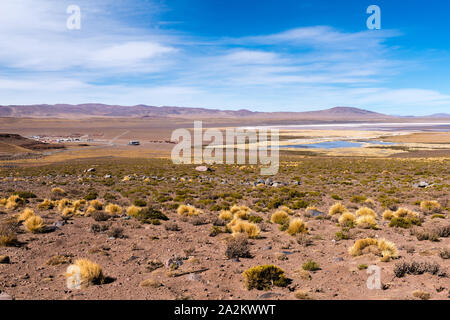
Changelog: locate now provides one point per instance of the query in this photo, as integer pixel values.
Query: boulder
(202, 169)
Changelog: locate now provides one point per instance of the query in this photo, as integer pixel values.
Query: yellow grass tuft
(240, 212)
(90, 210)
(405, 213)
(90, 272)
(388, 249)
(251, 229)
(279, 217)
(34, 224)
(296, 226)
(364, 211)
(347, 218)
(3, 201)
(356, 249)
(46, 204)
(27, 213)
(58, 191)
(366, 221)
(184, 210)
(388, 215)
(97, 204)
(113, 209)
(67, 212)
(226, 215)
(133, 211)
(337, 208)
(288, 210)
(62, 204)
(430, 206)
(78, 204)
(12, 202)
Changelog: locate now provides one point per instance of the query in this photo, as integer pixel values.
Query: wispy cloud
(114, 59)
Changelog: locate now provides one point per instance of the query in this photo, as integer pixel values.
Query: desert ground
(163, 231)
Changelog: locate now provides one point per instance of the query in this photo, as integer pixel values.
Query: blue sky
(291, 55)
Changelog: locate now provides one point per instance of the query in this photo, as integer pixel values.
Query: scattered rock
(4, 296)
(4, 260)
(90, 170)
(202, 169)
(269, 295)
(315, 213)
(194, 277)
(174, 262)
(338, 259)
(107, 176)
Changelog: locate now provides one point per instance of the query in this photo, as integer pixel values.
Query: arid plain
(151, 229)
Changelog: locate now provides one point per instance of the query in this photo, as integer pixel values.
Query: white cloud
(111, 61)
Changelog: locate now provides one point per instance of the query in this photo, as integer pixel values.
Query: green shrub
(311, 265)
(147, 215)
(402, 222)
(91, 196)
(255, 219)
(265, 277)
(25, 194)
(140, 203)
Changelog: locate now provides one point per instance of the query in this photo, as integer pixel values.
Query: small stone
(4, 296)
(194, 277)
(4, 259)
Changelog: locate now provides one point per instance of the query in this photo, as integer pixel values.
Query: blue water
(336, 144)
(328, 145)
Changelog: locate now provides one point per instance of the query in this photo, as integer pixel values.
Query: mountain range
(90, 110)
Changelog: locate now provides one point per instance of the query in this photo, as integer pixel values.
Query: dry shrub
(366, 222)
(62, 204)
(226, 215)
(296, 226)
(430, 206)
(251, 229)
(58, 191)
(405, 213)
(152, 283)
(337, 208)
(370, 203)
(388, 215)
(3, 201)
(417, 268)
(27, 213)
(57, 260)
(100, 216)
(13, 202)
(279, 217)
(382, 247)
(90, 210)
(68, 212)
(265, 277)
(8, 234)
(184, 210)
(421, 295)
(90, 272)
(288, 210)
(113, 209)
(133, 210)
(302, 295)
(364, 212)
(46, 204)
(347, 219)
(97, 204)
(238, 247)
(34, 224)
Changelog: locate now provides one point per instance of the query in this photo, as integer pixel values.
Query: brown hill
(14, 144)
(142, 111)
